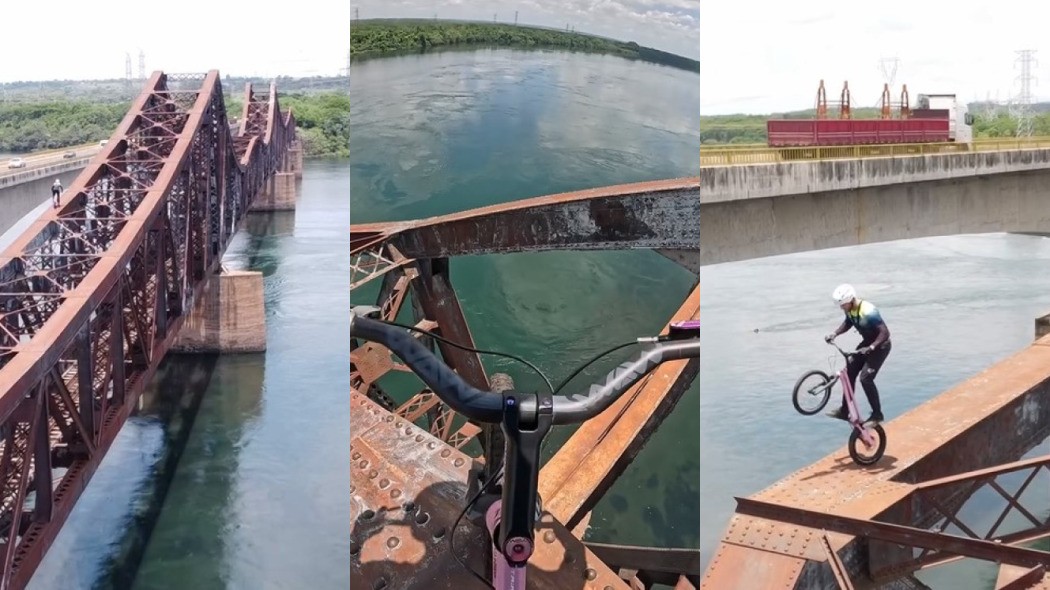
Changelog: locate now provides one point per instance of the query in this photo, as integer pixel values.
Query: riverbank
(377, 38)
(29, 125)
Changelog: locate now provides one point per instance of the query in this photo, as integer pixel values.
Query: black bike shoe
(838, 414)
(874, 418)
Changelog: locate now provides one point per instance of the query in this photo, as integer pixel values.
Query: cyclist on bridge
(873, 349)
(56, 193)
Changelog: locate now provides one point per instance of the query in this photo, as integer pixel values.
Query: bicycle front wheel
(861, 453)
(812, 392)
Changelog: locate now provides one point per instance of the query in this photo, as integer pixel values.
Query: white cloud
(770, 56)
(66, 39)
(669, 25)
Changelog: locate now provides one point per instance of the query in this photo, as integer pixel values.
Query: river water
(452, 131)
(254, 495)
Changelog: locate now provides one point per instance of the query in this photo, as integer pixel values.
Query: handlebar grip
(570, 409)
(471, 402)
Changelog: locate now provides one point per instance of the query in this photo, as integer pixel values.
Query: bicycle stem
(522, 469)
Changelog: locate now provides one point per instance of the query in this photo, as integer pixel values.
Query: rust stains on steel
(93, 293)
(941, 454)
(653, 215)
(407, 488)
(412, 257)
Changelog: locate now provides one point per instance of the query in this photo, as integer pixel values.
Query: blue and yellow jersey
(866, 319)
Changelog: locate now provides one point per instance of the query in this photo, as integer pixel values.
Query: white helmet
(844, 293)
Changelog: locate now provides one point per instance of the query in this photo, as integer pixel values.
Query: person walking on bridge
(56, 193)
(872, 351)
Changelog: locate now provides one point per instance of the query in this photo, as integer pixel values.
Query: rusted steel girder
(1012, 577)
(93, 294)
(896, 533)
(655, 215)
(600, 450)
(939, 454)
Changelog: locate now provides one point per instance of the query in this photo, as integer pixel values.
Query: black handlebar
(487, 406)
(537, 412)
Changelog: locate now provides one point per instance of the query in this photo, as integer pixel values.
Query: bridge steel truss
(93, 294)
(402, 453)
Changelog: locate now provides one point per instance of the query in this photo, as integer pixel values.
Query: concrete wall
(770, 209)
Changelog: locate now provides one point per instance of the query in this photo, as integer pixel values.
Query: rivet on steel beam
(548, 537)
(380, 584)
(389, 418)
(355, 456)
(431, 445)
(395, 493)
(393, 542)
(383, 483)
(409, 507)
(408, 431)
(368, 515)
(439, 534)
(363, 464)
(422, 518)
(458, 462)
(398, 424)
(591, 574)
(419, 438)
(445, 453)
(372, 474)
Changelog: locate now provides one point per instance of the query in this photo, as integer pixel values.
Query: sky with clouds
(761, 57)
(669, 25)
(66, 39)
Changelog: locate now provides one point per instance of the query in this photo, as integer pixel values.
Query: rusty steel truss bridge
(410, 470)
(93, 293)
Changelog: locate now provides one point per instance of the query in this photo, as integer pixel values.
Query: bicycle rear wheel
(810, 399)
(860, 453)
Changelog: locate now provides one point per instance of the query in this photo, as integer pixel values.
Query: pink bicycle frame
(505, 575)
(851, 404)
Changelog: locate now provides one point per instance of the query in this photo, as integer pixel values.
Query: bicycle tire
(880, 449)
(825, 380)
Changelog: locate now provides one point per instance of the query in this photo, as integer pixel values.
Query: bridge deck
(950, 434)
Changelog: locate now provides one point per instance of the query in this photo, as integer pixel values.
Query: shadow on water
(259, 230)
(196, 510)
(172, 401)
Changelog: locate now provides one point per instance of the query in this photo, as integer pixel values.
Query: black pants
(867, 367)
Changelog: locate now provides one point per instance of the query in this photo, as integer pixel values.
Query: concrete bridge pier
(294, 161)
(228, 316)
(279, 193)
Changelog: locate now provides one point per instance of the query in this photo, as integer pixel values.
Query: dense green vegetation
(33, 126)
(745, 129)
(322, 118)
(384, 37)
